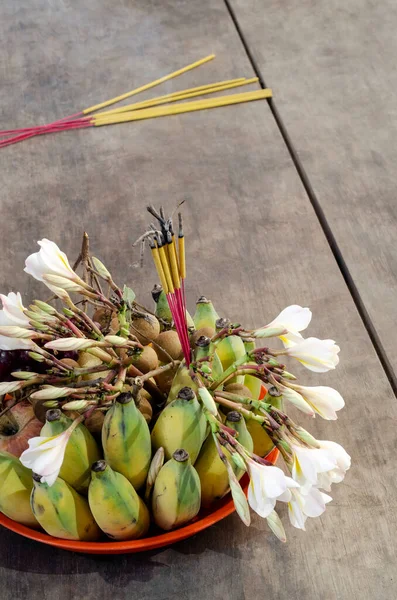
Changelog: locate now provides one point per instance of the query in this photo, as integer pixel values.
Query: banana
(176, 493)
(205, 315)
(253, 383)
(229, 350)
(117, 508)
(181, 424)
(202, 347)
(62, 512)
(182, 379)
(15, 488)
(262, 442)
(81, 450)
(210, 468)
(274, 397)
(163, 312)
(126, 440)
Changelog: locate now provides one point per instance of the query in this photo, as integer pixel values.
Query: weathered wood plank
(254, 246)
(332, 67)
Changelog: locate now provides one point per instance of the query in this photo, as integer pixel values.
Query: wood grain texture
(254, 246)
(333, 70)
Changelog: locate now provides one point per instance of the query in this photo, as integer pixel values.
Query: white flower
(267, 485)
(72, 343)
(8, 387)
(296, 399)
(314, 354)
(343, 462)
(303, 505)
(50, 260)
(45, 454)
(309, 462)
(13, 315)
(289, 323)
(324, 400)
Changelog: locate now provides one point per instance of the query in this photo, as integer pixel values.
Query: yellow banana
(126, 440)
(81, 450)
(262, 442)
(176, 493)
(62, 512)
(211, 469)
(205, 315)
(15, 488)
(117, 508)
(182, 379)
(229, 350)
(253, 383)
(181, 424)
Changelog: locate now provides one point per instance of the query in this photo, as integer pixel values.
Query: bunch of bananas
(124, 468)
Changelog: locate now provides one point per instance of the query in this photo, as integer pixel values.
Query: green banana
(229, 349)
(201, 350)
(15, 488)
(62, 512)
(126, 440)
(176, 493)
(274, 397)
(253, 383)
(205, 315)
(163, 312)
(182, 379)
(81, 450)
(117, 508)
(181, 424)
(211, 469)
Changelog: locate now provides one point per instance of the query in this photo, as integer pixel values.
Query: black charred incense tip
(234, 416)
(98, 466)
(54, 414)
(180, 455)
(186, 393)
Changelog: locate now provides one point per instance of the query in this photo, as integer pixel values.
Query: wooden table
(254, 246)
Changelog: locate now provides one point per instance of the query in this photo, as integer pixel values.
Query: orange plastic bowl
(204, 519)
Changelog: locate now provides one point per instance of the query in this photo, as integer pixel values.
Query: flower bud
(102, 270)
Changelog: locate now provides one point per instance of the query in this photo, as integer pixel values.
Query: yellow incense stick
(174, 264)
(181, 95)
(166, 268)
(147, 86)
(159, 268)
(162, 111)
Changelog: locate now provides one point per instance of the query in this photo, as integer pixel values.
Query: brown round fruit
(87, 361)
(95, 421)
(69, 362)
(145, 408)
(239, 389)
(169, 341)
(103, 316)
(164, 380)
(146, 329)
(17, 426)
(147, 361)
(206, 331)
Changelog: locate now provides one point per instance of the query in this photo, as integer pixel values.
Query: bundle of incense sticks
(144, 110)
(171, 268)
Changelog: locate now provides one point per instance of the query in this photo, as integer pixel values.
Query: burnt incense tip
(222, 322)
(186, 393)
(124, 398)
(202, 300)
(54, 414)
(98, 466)
(233, 416)
(274, 392)
(180, 455)
(203, 341)
(156, 292)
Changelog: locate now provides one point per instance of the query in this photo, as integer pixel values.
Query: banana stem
(235, 406)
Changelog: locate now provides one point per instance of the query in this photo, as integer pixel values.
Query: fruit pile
(115, 418)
